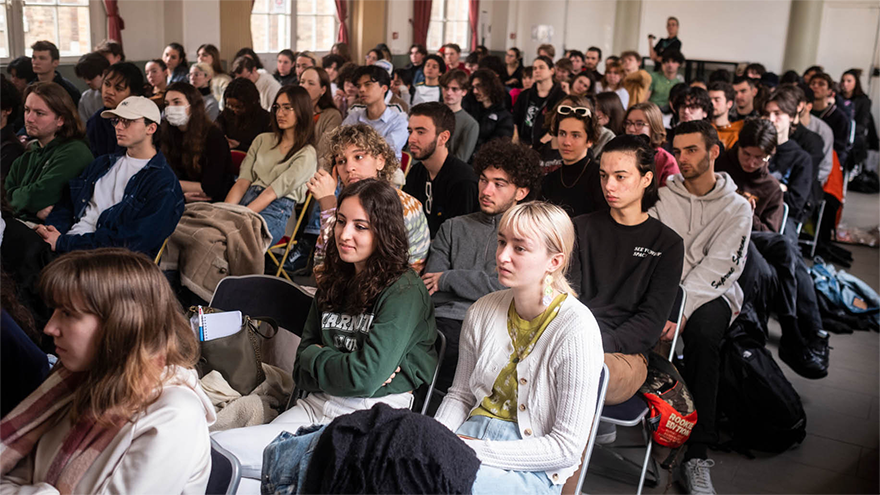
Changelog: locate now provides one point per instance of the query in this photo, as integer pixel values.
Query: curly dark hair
(343, 290)
(521, 163)
(491, 84)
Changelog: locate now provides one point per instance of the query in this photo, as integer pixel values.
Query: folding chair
(161, 250)
(264, 295)
(812, 243)
(581, 473)
(225, 471)
(288, 242)
(634, 412)
(784, 217)
(440, 346)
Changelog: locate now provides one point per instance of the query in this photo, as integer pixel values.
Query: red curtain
(115, 24)
(474, 21)
(421, 20)
(342, 13)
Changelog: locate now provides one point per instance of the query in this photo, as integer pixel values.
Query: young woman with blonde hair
(122, 411)
(646, 118)
(612, 82)
(527, 380)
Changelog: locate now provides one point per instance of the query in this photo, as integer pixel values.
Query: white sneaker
(695, 476)
(607, 433)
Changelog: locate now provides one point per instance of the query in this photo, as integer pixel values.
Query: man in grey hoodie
(714, 222)
(461, 262)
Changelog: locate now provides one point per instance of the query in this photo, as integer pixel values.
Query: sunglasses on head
(567, 110)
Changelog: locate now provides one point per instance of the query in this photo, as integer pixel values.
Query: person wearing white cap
(131, 200)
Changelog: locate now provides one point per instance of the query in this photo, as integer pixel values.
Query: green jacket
(361, 351)
(38, 177)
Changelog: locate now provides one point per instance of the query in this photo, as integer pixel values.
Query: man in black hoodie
(461, 263)
(791, 165)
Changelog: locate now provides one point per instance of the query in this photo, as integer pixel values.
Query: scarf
(38, 413)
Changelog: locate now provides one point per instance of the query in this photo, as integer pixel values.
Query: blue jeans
(276, 214)
(496, 480)
(286, 460)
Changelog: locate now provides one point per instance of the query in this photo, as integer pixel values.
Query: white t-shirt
(268, 88)
(425, 93)
(109, 190)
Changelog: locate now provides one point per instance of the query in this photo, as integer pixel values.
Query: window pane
(435, 35)
(39, 24)
(39, 2)
(457, 10)
(305, 33)
(73, 27)
(457, 32)
(84, 3)
(325, 35)
(279, 33)
(327, 7)
(260, 7)
(305, 7)
(437, 10)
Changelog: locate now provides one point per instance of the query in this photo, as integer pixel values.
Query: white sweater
(166, 450)
(558, 384)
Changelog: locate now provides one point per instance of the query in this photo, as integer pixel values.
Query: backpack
(673, 414)
(763, 410)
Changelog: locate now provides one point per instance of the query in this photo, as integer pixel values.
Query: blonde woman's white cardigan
(558, 386)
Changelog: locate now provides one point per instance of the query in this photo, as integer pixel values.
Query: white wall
(729, 31)
(590, 24)
(398, 14)
(151, 24)
(201, 24)
(144, 35)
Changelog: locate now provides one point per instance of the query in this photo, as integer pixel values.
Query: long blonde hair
(142, 328)
(550, 224)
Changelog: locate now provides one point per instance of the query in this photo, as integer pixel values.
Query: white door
(849, 39)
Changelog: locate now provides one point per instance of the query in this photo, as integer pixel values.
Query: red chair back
(237, 158)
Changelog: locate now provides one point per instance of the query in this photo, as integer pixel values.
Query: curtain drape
(421, 20)
(115, 24)
(342, 14)
(474, 21)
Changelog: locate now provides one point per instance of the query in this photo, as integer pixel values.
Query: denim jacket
(286, 460)
(148, 213)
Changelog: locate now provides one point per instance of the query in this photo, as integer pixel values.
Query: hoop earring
(548, 290)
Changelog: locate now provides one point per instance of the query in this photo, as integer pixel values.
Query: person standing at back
(445, 185)
(665, 45)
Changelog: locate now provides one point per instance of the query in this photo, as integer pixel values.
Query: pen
(201, 325)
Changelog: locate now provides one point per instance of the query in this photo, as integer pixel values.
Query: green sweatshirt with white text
(361, 351)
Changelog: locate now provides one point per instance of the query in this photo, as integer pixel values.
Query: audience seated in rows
(612, 82)
(461, 267)
(467, 131)
(445, 185)
(37, 179)
(722, 95)
(627, 265)
(174, 57)
(10, 112)
(284, 72)
(278, 164)
(200, 75)
(416, 65)
(122, 411)
(790, 164)
(646, 119)
(534, 103)
(157, 80)
(610, 112)
(246, 67)
(389, 121)
(327, 118)
(805, 119)
(429, 89)
(369, 336)
(493, 119)
(90, 69)
(637, 81)
(44, 61)
(209, 54)
(195, 148)
(242, 118)
(355, 153)
(663, 80)
(513, 64)
(746, 90)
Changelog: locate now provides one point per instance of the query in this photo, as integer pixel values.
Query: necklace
(576, 180)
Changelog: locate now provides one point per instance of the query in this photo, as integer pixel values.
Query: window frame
(444, 22)
(15, 25)
(291, 43)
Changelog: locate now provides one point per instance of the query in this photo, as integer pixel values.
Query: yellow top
(523, 334)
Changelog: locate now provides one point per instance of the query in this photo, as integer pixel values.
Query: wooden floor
(840, 452)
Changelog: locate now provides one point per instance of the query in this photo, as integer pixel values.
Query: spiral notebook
(217, 325)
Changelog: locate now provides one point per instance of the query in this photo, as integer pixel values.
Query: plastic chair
(581, 473)
(634, 412)
(406, 160)
(263, 295)
(237, 158)
(288, 242)
(440, 346)
(225, 471)
(161, 250)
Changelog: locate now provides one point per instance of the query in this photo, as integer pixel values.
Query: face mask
(176, 116)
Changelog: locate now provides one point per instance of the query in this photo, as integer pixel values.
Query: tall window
(66, 23)
(271, 25)
(315, 25)
(449, 24)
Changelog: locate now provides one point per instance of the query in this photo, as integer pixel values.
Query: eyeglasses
(119, 120)
(284, 108)
(429, 197)
(567, 110)
(635, 125)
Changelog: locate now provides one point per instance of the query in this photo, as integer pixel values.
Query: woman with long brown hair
(122, 411)
(612, 82)
(242, 118)
(646, 118)
(193, 146)
(210, 55)
(278, 163)
(369, 336)
(327, 116)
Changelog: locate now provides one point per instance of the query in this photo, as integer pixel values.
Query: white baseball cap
(135, 107)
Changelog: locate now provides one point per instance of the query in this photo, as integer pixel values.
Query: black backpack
(762, 409)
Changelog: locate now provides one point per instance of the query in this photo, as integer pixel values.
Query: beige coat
(214, 240)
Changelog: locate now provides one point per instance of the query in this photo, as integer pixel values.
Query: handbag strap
(254, 324)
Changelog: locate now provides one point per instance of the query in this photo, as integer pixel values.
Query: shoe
(695, 476)
(607, 433)
(804, 362)
(819, 346)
